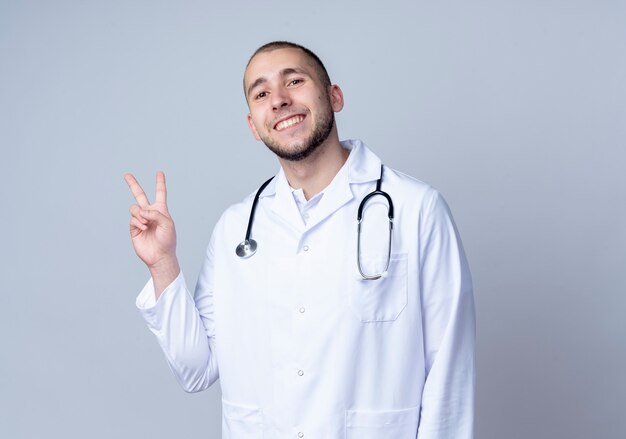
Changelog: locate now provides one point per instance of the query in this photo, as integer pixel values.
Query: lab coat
(303, 346)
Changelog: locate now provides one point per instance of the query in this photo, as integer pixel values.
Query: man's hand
(153, 234)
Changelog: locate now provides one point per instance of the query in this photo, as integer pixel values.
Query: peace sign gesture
(152, 232)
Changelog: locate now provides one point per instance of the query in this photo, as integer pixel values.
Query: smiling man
(308, 83)
(330, 327)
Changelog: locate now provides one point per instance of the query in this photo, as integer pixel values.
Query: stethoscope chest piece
(246, 248)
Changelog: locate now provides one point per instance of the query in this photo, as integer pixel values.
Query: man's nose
(280, 99)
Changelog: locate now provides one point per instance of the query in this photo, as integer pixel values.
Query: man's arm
(184, 327)
(448, 326)
(165, 302)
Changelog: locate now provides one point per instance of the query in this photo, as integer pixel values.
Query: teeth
(287, 123)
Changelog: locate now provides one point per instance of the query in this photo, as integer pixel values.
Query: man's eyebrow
(283, 72)
(256, 83)
(292, 70)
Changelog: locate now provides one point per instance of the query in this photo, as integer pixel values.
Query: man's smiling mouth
(286, 123)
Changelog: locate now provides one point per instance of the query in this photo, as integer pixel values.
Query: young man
(331, 329)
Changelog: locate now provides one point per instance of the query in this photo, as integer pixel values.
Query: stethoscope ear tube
(378, 191)
(359, 218)
(358, 254)
(359, 215)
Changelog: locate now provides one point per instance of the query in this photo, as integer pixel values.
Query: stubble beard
(300, 151)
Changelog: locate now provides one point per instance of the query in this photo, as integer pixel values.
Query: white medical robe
(303, 346)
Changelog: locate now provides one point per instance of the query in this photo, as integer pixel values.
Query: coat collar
(362, 166)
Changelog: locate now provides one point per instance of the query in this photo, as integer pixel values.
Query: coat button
(302, 310)
(300, 434)
(300, 372)
(305, 248)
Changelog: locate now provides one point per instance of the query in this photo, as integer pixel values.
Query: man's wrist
(164, 273)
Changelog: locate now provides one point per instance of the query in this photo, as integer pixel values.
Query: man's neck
(315, 173)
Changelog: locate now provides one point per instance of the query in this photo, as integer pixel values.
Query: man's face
(291, 111)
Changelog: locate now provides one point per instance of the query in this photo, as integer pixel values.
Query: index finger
(137, 191)
(161, 189)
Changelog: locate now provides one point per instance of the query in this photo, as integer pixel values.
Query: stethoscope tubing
(254, 203)
(377, 192)
(248, 246)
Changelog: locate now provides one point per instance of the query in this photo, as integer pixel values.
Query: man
(308, 342)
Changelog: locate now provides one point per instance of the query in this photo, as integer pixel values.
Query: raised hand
(153, 233)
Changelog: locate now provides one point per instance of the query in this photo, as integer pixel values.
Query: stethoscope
(248, 246)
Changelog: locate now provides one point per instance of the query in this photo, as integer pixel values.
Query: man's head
(291, 100)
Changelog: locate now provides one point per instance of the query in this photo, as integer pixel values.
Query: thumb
(156, 216)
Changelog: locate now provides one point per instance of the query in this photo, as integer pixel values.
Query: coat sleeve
(184, 326)
(447, 410)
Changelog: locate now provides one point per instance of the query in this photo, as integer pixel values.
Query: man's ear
(253, 128)
(336, 98)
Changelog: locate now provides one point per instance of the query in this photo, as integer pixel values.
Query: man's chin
(296, 152)
(292, 153)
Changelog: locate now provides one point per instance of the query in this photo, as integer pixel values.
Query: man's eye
(261, 95)
(295, 81)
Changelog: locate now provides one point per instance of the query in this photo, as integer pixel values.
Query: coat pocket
(241, 421)
(393, 424)
(383, 299)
